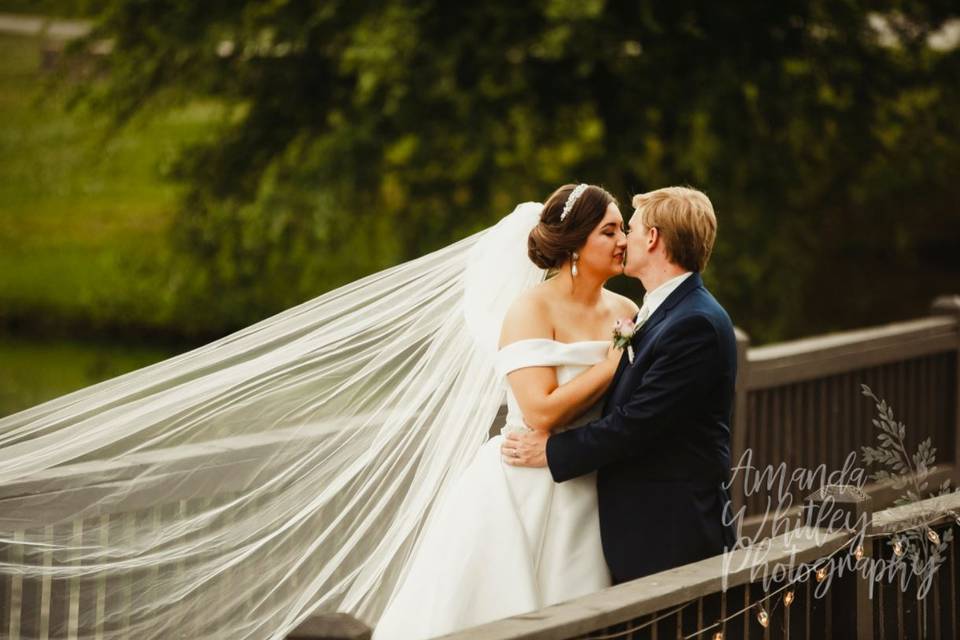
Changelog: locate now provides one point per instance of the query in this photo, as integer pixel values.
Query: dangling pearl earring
(573, 269)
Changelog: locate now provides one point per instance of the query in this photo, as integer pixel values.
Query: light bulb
(763, 618)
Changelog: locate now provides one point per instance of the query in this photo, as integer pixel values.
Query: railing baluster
(828, 417)
(129, 525)
(918, 611)
(953, 585)
(761, 452)
(878, 596)
(900, 613)
(45, 585)
(786, 621)
(104, 528)
(742, 415)
(6, 551)
(76, 542)
(950, 306)
(936, 606)
(183, 608)
(700, 612)
(16, 587)
(753, 433)
(811, 424)
(851, 395)
(198, 620)
(775, 426)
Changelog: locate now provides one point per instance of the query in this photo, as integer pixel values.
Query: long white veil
(289, 467)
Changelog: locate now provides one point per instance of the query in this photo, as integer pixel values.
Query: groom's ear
(653, 236)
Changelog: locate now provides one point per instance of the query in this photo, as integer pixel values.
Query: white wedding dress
(305, 465)
(504, 540)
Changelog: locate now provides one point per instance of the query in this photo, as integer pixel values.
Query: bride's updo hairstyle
(553, 240)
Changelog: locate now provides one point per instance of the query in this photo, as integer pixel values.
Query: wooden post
(498, 422)
(739, 427)
(845, 507)
(950, 306)
(331, 626)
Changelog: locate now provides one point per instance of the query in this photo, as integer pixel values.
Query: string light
(763, 618)
(821, 574)
(897, 548)
(913, 526)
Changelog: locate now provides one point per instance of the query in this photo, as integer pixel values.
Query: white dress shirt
(653, 299)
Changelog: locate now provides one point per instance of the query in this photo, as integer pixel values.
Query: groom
(662, 448)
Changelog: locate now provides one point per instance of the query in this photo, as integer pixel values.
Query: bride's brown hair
(553, 240)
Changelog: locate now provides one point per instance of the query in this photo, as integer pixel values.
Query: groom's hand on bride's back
(525, 449)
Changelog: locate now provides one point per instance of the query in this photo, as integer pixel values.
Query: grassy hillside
(83, 220)
(82, 214)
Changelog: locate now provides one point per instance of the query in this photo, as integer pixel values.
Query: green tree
(360, 134)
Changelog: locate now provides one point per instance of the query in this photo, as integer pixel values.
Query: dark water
(34, 370)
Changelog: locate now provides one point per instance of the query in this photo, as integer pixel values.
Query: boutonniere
(623, 332)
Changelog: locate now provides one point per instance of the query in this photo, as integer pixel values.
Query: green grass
(83, 216)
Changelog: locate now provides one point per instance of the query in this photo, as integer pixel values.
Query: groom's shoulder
(702, 303)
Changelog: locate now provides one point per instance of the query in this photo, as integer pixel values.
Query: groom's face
(638, 246)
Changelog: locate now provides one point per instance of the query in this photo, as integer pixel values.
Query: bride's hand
(613, 357)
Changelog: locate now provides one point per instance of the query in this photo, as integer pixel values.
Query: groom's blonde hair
(685, 220)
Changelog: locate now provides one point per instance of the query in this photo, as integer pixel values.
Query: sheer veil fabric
(284, 469)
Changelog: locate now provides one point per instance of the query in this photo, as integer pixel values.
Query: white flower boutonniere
(623, 332)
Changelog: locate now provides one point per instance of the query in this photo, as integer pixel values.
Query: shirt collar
(655, 298)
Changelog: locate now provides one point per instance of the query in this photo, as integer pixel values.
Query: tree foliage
(359, 134)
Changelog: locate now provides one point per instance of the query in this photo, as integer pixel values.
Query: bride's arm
(545, 403)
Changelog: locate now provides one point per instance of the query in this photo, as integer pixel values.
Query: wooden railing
(207, 477)
(688, 601)
(797, 403)
(800, 403)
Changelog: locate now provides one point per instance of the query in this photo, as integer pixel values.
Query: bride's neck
(582, 289)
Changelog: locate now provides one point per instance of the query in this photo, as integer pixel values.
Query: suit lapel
(692, 282)
(621, 367)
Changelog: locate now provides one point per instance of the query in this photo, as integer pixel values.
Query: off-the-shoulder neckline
(565, 344)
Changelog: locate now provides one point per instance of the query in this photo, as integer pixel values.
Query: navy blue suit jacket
(662, 448)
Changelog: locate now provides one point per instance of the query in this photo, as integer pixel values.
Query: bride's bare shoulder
(623, 306)
(528, 317)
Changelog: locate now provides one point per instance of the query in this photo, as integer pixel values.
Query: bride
(333, 457)
(509, 540)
